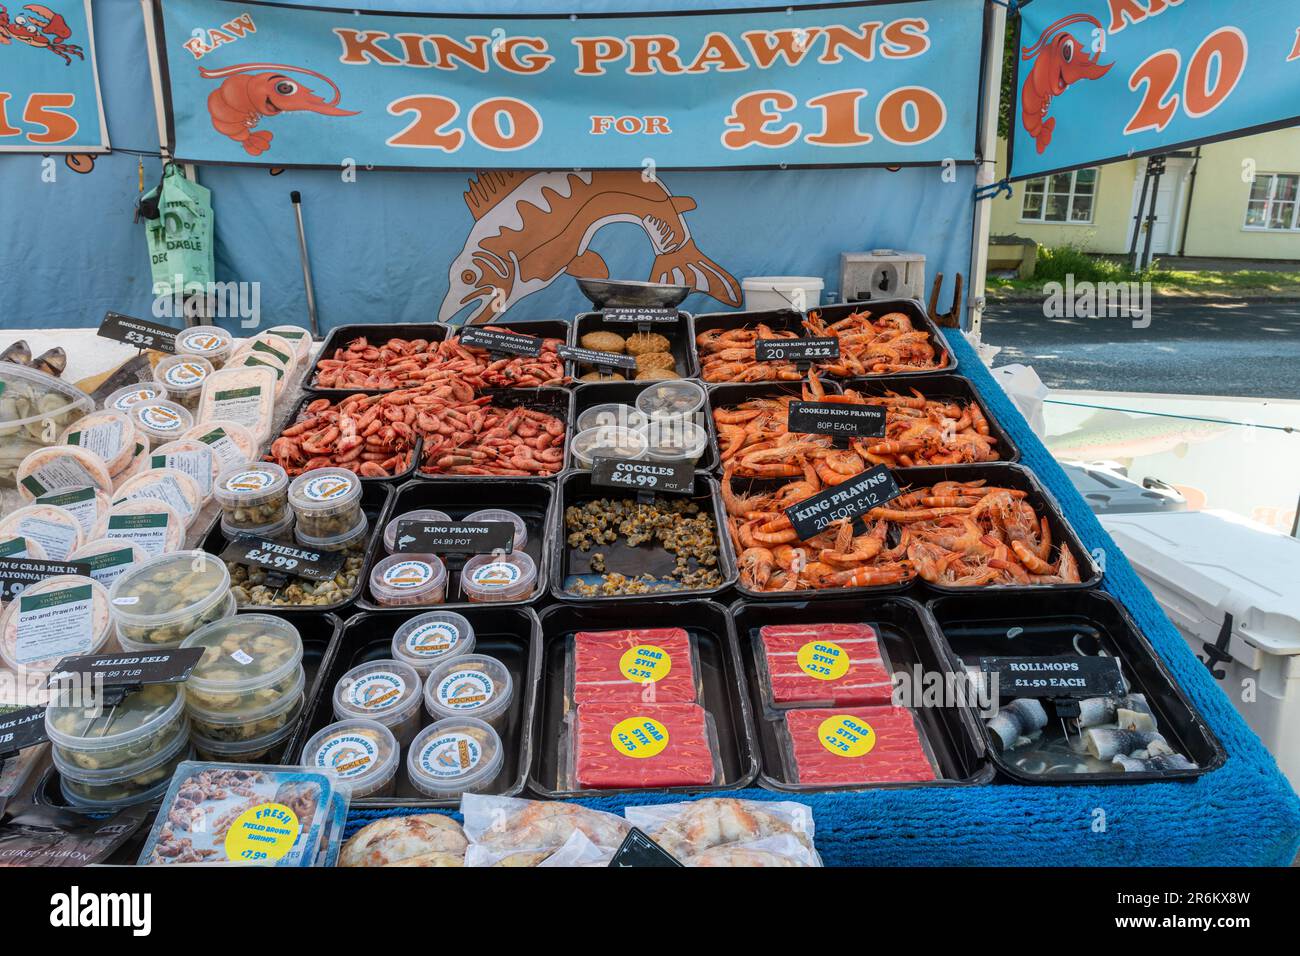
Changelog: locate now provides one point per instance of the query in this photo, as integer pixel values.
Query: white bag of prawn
(710, 831)
(577, 850)
(514, 825)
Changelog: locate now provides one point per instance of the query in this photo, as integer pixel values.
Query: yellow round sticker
(646, 664)
(639, 737)
(262, 834)
(847, 736)
(823, 660)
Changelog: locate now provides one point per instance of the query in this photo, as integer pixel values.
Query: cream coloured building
(1237, 199)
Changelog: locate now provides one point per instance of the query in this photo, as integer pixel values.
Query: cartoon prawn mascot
(244, 97)
(1059, 60)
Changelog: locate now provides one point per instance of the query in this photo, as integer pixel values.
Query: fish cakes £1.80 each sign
(832, 84)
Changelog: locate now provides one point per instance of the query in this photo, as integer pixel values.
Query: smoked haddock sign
(1104, 80)
(840, 84)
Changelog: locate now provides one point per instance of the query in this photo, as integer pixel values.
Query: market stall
(618, 549)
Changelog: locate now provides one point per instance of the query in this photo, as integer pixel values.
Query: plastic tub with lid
(500, 514)
(674, 399)
(419, 514)
(231, 442)
(109, 433)
(139, 781)
(57, 530)
(61, 466)
(673, 440)
(763, 293)
(124, 398)
(471, 685)
(183, 377)
(168, 485)
(432, 637)
(454, 756)
(55, 618)
(363, 752)
(108, 558)
(154, 526)
(326, 502)
(403, 580)
(610, 413)
(249, 749)
(606, 441)
(296, 336)
(263, 714)
(144, 724)
(249, 662)
(487, 578)
(252, 495)
(34, 408)
(89, 505)
(243, 394)
(207, 341)
(354, 538)
(168, 598)
(191, 456)
(385, 690)
(162, 420)
(281, 530)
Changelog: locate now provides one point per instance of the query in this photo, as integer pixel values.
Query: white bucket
(782, 292)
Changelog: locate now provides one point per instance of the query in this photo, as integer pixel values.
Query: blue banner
(49, 89)
(836, 85)
(1104, 80)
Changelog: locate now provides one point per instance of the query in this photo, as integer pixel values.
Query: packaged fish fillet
(246, 814)
(783, 850)
(650, 665)
(833, 665)
(860, 745)
(642, 746)
(685, 830)
(512, 824)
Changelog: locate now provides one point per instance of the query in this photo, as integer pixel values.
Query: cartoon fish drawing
(244, 97)
(1059, 60)
(530, 228)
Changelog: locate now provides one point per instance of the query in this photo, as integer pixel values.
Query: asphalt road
(1239, 348)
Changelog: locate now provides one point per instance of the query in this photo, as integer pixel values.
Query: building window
(1063, 197)
(1272, 203)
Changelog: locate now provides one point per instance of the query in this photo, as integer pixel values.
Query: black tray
(539, 328)
(977, 625)
(732, 394)
(533, 501)
(588, 394)
(780, 320)
(576, 488)
(1009, 476)
(377, 333)
(939, 386)
(913, 309)
(320, 642)
(722, 676)
(376, 500)
(510, 634)
(682, 344)
(551, 400)
(911, 640)
(307, 399)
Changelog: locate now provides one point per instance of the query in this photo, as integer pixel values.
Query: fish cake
(638, 343)
(603, 377)
(648, 360)
(656, 375)
(604, 342)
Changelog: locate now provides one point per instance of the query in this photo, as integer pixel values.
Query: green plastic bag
(180, 239)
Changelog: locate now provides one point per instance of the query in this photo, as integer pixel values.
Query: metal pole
(1137, 219)
(986, 171)
(1156, 166)
(296, 198)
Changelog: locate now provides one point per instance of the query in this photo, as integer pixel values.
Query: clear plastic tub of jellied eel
(428, 639)
(229, 748)
(100, 736)
(250, 663)
(165, 600)
(611, 414)
(454, 756)
(675, 399)
(471, 685)
(253, 722)
(135, 782)
(363, 752)
(671, 441)
(387, 691)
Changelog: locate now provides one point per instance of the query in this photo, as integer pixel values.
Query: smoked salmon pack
(650, 665)
(642, 746)
(839, 665)
(859, 745)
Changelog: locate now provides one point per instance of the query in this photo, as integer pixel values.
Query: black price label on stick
(825, 349)
(138, 332)
(130, 669)
(634, 315)
(430, 537)
(283, 558)
(846, 501)
(1077, 676)
(573, 353)
(831, 418)
(20, 729)
(496, 340)
(638, 849)
(17, 573)
(676, 479)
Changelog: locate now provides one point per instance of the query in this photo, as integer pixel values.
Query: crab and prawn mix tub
(362, 752)
(55, 618)
(109, 433)
(470, 685)
(387, 691)
(454, 756)
(168, 598)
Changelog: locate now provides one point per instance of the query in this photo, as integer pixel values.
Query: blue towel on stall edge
(1244, 814)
